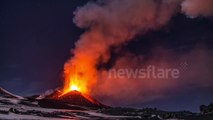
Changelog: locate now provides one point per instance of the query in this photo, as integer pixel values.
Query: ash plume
(195, 8)
(112, 23)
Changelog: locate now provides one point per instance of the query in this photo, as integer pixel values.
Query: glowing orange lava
(80, 73)
(73, 83)
(74, 87)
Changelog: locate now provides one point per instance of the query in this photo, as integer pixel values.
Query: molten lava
(74, 84)
(74, 87)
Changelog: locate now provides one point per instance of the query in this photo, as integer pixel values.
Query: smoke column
(111, 23)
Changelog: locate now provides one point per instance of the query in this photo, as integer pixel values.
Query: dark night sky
(36, 38)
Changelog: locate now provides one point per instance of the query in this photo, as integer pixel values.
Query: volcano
(71, 100)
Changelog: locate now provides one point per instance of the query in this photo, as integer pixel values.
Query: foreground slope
(81, 107)
(5, 93)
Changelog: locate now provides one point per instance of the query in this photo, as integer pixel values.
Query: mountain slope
(70, 99)
(78, 106)
(6, 94)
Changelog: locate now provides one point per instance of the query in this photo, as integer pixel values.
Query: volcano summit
(69, 100)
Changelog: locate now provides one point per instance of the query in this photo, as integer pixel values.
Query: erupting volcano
(74, 93)
(125, 53)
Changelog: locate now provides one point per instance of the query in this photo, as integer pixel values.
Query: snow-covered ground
(12, 108)
(16, 107)
(19, 108)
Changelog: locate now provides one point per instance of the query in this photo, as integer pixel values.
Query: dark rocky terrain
(74, 105)
(69, 100)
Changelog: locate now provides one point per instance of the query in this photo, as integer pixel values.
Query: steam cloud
(111, 23)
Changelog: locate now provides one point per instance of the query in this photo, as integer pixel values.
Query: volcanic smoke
(112, 23)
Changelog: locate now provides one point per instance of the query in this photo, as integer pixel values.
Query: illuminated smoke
(195, 8)
(112, 23)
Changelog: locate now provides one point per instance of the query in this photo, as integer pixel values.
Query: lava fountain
(79, 75)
